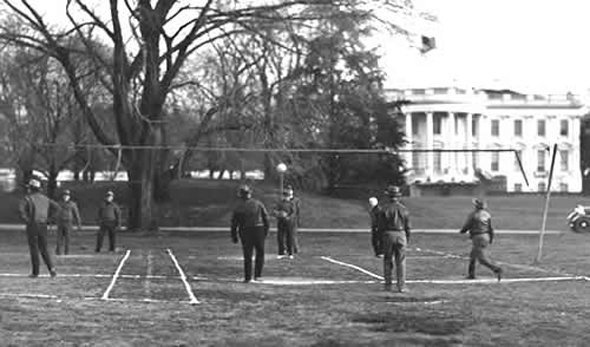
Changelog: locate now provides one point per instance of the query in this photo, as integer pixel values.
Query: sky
(540, 46)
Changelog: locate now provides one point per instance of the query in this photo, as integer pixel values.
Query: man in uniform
(479, 226)
(109, 220)
(394, 219)
(250, 222)
(65, 219)
(296, 223)
(35, 210)
(285, 213)
(376, 237)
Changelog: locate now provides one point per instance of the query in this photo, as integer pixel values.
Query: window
(563, 187)
(564, 160)
(495, 161)
(437, 124)
(474, 124)
(563, 127)
(518, 127)
(518, 187)
(416, 161)
(437, 162)
(541, 187)
(495, 127)
(541, 127)
(541, 160)
(415, 127)
(517, 155)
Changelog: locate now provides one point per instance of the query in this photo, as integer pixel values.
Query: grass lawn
(308, 301)
(209, 203)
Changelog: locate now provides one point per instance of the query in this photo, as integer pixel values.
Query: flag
(428, 44)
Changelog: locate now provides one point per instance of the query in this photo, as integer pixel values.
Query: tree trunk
(52, 184)
(141, 189)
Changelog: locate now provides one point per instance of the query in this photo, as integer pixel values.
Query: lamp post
(281, 169)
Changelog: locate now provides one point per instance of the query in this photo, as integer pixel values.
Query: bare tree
(148, 43)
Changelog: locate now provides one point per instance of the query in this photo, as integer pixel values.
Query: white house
(468, 119)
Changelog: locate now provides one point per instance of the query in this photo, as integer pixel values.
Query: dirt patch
(426, 322)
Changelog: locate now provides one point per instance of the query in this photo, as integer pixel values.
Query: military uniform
(250, 223)
(35, 210)
(296, 218)
(68, 214)
(109, 220)
(394, 219)
(285, 213)
(479, 226)
(376, 232)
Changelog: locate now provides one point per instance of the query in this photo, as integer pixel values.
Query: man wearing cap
(109, 220)
(296, 220)
(35, 210)
(394, 220)
(285, 213)
(479, 226)
(376, 237)
(68, 214)
(249, 222)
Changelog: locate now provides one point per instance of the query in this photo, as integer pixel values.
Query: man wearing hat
(376, 237)
(285, 213)
(109, 220)
(394, 220)
(35, 210)
(479, 226)
(296, 220)
(68, 214)
(250, 222)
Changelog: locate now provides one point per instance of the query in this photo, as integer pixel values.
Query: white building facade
(481, 130)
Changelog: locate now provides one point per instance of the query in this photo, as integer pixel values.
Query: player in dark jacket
(35, 210)
(296, 218)
(394, 219)
(109, 220)
(284, 211)
(250, 223)
(68, 214)
(479, 226)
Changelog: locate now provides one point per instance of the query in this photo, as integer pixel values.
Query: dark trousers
(285, 237)
(253, 239)
(377, 241)
(64, 230)
(37, 239)
(479, 253)
(106, 227)
(394, 246)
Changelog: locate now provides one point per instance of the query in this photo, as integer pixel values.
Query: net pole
(546, 209)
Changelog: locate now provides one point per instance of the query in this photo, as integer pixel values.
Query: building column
(455, 145)
(469, 140)
(409, 138)
(429, 144)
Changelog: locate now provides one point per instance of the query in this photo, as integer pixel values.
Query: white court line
(353, 267)
(187, 286)
(516, 266)
(105, 296)
(30, 296)
(466, 281)
(145, 300)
